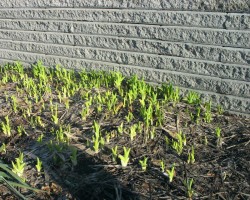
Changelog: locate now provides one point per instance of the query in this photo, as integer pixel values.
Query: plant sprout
(143, 163)
(38, 165)
(6, 126)
(125, 158)
(171, 173)
(191, 158)
(114, 153)
(3, 148)
(18, 166)
(189, 183)
(162, 164)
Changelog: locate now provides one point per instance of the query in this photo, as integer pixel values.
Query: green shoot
(144, 164)
(18, 167)
(220, 110)
(120, 128)
(3, 148)
(189, 190)
(218, 132)
(162, 164)
(38, 165)
(125, 158)
(171, 173)
(191, 158)
(54, 114)
(192, 98)
(133, 131)
(6, 126)
(114, 153)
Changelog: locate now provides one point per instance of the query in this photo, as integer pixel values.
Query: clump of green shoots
(191, 158)
(18, 166)
(192, 98)
(171, 173)
(54, 114)
(208, 114)
(220, 110)
(144, 164)
(3, 148)
(129, 117)
(6, 126)
(218, 135)
(180, 143)
(132, 132)
(114, 153)
(96, 137)
(120, 128)
(170, 93)
(125, 158)
(162, 164)
(38, 165)
(189, 183)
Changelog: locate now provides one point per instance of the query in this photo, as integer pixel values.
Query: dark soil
(221, 169)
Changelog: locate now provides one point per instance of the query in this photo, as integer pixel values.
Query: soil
(220, 170)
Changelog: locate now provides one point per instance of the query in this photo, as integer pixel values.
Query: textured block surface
(198, 45)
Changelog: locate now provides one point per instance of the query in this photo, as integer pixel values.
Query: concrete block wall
(202, 45)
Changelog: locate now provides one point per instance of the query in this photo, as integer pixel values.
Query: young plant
(120, 128)
(189, 183)
(11, 181)
(38, 165)
(118, 80)
(96, 128)
(3, 148)
(218, 132)
(96, 143)
(152, 133)
(133, 131)
(192, 98)
(40, 138)
(129, 117)
(125, 158)
(191, 158)
(162, 164)
(18, 166)
(219, 138)
(208, 114)
(54, 114)
(147, 115)
(39, 121)
(178, 145)
(171, 173)
(6, 126)
(114, 153)
(144, 164)
(14, 103)
(220, 110)
(20, 130)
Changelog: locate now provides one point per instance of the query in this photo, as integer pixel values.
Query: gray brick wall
(202, 45)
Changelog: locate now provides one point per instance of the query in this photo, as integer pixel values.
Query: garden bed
(99, 135)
